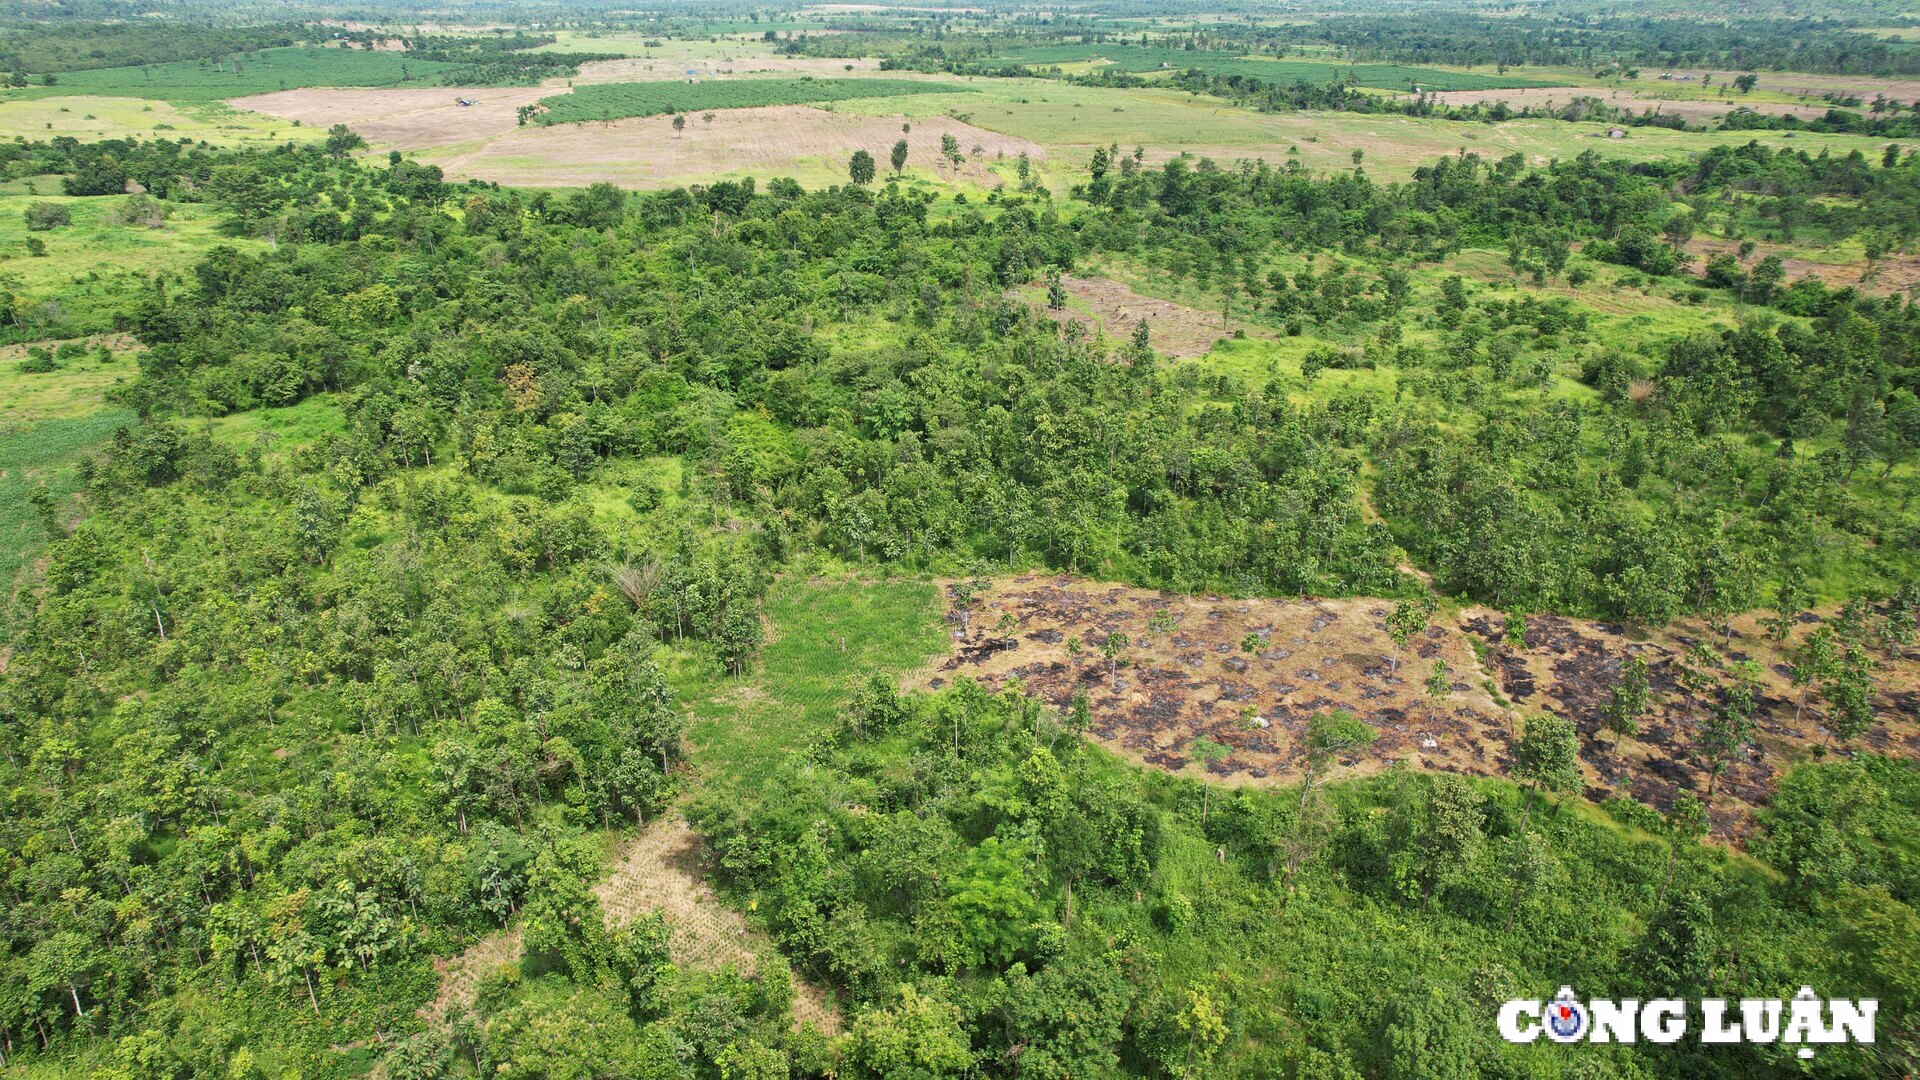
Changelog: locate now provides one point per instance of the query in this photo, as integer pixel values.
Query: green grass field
(1137, 58)
(614, 101)
(93, 268)
(263, 72)
(824, 637)
(48, 421)
(93, 118)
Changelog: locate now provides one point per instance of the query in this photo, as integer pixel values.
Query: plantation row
(1136, 58)
(614, 101)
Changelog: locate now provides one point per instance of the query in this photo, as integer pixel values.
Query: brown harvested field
(405, 119)
(1313, 655)
(1890, 274)
(659, 870)
(1693, 110)
(1172, 330)
(645, 152)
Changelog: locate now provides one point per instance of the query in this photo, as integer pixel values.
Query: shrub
(43, 216)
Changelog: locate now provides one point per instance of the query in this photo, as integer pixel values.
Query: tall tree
(860, 168)
(1546, 756)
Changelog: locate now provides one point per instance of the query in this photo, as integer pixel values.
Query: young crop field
(1379, 76)
(256, 73)
(615, 101)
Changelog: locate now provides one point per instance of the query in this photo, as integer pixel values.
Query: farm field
(806, 143)
(262, 72)
(616, 101)
(1383, 76)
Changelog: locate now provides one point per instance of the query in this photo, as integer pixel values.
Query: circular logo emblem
(1566, 1020)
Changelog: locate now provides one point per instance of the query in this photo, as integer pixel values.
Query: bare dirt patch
(1172, 329)
(1309, 656)
(405, 119)
(645, 152)
(1890, 274)
(659, 870)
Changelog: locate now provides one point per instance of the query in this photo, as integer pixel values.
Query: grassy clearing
(615, 101)
(93, 118)
(94, 268)
(823, 638)
(262, 72)
(40, 453)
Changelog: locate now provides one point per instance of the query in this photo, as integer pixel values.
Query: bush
(43, 216)
(38, 362)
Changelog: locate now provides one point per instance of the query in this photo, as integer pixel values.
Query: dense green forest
(439, 611)
(288, 720)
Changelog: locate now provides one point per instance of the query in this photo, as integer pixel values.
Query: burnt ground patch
(1173, 686)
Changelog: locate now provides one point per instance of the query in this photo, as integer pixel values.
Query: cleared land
(1894, 273)
(408, 118)
(616, 101)
(659, 870)
(1114, 309)
(809, 144)
(1310, 656)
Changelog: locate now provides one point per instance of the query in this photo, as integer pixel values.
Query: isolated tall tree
(899, 157)
(1408, 620)
(1848, 689)
(1729, 727)
(1789, 599)
(1687, 820)
(1115, 644)
(1546, 756)
(1813, 664)
(1330, 734)
(1451, 836)
(1630, 699)
(679, 124)
(860, 168)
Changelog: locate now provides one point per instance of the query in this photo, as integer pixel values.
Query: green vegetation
(612, 101)
(1382, 76)
(381, 550)
(256, 73)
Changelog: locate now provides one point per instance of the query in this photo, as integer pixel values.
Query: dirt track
(1309, 656)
